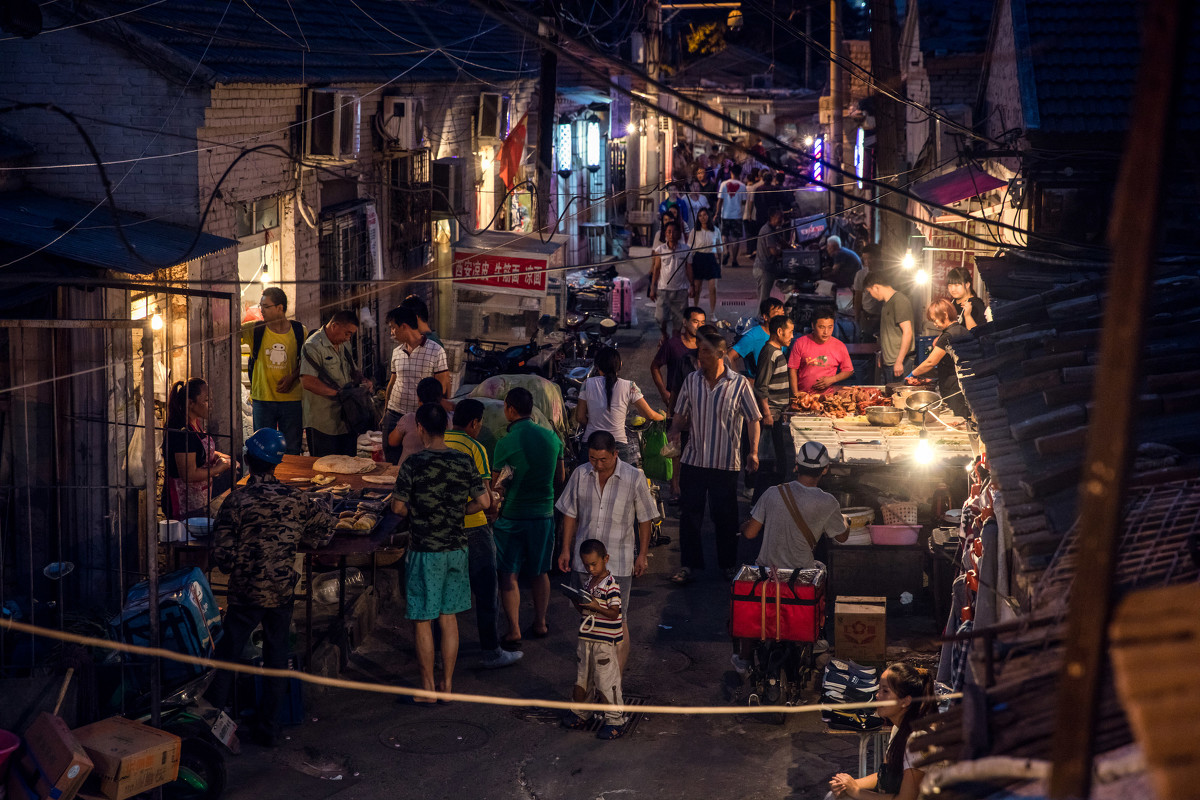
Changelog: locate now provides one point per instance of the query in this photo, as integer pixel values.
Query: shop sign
(500, 272)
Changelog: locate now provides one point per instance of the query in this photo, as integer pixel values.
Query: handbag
(358, 407)
(654, 464)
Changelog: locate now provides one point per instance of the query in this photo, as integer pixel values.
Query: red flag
(512, 153)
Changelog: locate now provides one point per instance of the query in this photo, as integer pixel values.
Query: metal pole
(1134, 235)
(151, 515)
(235, 394)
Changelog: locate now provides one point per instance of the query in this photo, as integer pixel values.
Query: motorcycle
(486, 358)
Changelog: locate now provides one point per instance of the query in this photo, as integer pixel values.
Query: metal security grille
(409, 212)
(346, 275)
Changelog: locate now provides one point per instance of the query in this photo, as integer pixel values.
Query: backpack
(260, 330)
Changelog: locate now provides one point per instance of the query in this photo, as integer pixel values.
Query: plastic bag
(656, 466)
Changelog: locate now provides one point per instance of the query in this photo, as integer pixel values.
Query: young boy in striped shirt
(772, 389)
(598, 676)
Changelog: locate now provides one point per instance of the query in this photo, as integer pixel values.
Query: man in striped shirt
(773, 392)
(713, 404)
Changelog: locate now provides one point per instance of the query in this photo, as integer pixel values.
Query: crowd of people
(481, 529)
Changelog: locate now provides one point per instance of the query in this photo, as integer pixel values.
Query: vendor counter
(853, 440)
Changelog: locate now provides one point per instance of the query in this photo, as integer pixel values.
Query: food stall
(888, 458)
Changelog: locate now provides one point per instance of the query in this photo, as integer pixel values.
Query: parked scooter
(487, 358)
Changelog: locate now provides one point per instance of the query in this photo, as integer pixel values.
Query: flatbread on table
(344, 465)
(380, 480)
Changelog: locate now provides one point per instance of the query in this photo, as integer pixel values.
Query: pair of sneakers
(843, 677)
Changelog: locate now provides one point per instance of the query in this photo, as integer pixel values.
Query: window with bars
(346, 275)
(409, 209)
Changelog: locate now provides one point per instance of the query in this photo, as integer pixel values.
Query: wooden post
(1133, 234)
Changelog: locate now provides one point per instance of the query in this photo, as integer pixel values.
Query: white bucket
(171, 530)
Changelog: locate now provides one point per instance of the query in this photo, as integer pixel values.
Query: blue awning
(31, 222)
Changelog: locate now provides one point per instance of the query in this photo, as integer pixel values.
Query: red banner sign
(501, 272)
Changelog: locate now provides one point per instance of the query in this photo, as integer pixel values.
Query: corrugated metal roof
(30, 222)
(328, 41)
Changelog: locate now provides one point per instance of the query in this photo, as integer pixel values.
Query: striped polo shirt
(771, 382)
(716, 415)
(596, 628)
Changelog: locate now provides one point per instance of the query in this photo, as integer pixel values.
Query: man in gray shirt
(897, 334)
(772, 238)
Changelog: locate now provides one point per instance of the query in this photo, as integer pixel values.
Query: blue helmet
(266, 444)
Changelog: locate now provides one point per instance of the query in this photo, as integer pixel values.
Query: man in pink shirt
(818, 361)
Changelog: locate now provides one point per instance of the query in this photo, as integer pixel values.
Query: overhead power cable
(558, 46)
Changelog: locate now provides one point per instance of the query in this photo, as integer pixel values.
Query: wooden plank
(1079, 374)
(1067, 393)
(1170, 382)
(1049, 481)
(1133, 232)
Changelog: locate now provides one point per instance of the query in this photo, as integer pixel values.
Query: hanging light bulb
(908, 262)
(266, 276)
(921, 277)
(156, 322)
(808, 141)
(924, 451)
(631, 128)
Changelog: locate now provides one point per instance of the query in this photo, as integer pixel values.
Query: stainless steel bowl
(884, 415)
(923, 398)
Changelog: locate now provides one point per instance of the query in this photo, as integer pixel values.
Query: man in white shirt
(670, 279)
(415, 357)
(792, 518)
(604, 499)
(731, 200)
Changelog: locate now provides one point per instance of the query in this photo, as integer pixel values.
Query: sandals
(574, 723)
(610, 732)
(683, 577)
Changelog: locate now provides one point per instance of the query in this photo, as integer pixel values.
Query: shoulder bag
(358, 408)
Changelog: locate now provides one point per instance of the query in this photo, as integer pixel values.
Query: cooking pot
(884, 415)
(918, 403)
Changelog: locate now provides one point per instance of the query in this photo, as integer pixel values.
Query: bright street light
(908, 262)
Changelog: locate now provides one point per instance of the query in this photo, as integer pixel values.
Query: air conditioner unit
(449, 179)
(764, 81)
(950, 139)
(399, 123)
(331, 125)
(492, 120)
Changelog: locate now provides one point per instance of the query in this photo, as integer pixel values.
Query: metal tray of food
(358, 517)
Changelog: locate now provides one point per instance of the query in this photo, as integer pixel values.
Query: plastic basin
(895, 534)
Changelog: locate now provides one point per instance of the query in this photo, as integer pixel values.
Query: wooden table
(343, 544)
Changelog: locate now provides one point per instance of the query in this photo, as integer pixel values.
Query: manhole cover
(435, 737)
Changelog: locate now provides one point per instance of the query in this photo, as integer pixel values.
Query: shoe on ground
(683, 577)
(500, 657)
(740, 665)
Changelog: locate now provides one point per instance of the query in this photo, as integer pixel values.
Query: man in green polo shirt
(329, 347)
(524, 531)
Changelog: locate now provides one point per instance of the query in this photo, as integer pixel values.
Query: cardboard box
(129, 757)
(58, 756)
(860, 629)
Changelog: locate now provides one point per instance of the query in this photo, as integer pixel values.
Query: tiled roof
(31, 222)
(326, 41)
(1084, 56)
(1030, 378)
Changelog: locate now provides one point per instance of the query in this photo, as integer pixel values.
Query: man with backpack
(276, 395)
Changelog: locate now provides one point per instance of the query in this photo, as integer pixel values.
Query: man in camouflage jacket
(257, 533)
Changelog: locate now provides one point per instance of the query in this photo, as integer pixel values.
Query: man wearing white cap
(792, 517)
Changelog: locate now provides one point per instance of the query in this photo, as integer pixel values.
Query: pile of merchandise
(848, 682)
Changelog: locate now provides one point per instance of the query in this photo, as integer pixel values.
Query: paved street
(680, 655)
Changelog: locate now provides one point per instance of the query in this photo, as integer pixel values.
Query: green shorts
(524, 546)
(437, 584)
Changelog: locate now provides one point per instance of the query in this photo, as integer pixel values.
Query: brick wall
(85, 75)
(1002, 95)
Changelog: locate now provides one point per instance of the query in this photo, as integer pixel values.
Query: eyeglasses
(265, 306)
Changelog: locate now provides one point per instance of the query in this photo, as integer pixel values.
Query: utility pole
(837, 99)
(889, 127)
(547, 91)
(807, 47)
